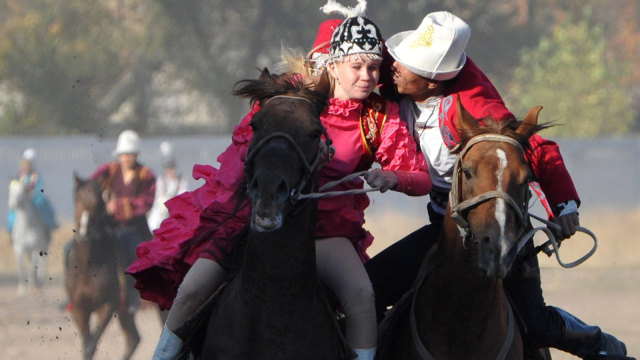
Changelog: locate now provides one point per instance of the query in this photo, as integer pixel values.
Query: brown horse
(274, 307)
(90, 279)
(457, 308)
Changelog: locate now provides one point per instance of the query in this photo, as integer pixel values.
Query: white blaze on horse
(30, 237)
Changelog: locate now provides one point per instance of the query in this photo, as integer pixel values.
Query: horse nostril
(252, 189)
(282, 192)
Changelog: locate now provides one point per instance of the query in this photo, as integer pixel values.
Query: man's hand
(378, 178)
(111, 206)
(568, 224)
(568, 220)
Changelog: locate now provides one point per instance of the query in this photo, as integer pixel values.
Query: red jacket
(482, 99)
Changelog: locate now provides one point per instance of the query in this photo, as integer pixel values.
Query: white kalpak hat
(436, 49)
(128, 143)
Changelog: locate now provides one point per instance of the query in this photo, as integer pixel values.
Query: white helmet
(128, 143)
(29, 155)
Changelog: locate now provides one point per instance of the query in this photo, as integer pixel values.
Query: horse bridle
(309, 167)
(459, 206)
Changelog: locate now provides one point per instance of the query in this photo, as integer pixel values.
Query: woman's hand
(378, 178)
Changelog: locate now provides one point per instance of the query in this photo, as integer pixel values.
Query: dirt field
(604, 291)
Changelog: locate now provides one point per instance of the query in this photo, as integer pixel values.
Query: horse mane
(505, 127)
(288, 83)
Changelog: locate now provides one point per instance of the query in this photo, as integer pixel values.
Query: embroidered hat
(128, 143)
(356, 35)
(436, 49)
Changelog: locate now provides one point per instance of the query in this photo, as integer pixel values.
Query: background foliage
(168, 66)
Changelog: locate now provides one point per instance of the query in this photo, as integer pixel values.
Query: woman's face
(355, 77)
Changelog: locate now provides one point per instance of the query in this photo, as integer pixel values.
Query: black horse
(274, 307)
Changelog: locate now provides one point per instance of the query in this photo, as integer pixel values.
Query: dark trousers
(393, 271)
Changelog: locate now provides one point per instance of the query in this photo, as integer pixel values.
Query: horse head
(89, 204)
(285, 150)
(489, 196)
(17, 194)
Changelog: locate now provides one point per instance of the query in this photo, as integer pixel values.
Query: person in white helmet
(129, 188)
(29, 175)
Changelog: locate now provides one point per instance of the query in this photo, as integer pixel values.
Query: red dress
(161, 266)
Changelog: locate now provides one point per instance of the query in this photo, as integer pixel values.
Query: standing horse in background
(457, 308)
(30, 237)
(275, 307)
(90, 279)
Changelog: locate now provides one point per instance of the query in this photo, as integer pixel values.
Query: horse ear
(265, 74)
(322, 83)
(78, 181)
(465, 119)
(530, 122)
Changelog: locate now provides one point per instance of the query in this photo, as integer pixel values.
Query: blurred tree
(61, 56)
(168, 66)
(572, 75)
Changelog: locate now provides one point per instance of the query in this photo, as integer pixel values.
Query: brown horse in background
(91, 279)
(274, 307)
(457, 308)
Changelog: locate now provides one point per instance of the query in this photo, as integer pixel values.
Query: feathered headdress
(332, 6)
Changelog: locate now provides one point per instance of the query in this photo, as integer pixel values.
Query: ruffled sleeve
(398, 152)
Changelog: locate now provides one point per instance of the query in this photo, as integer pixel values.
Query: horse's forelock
(505, 127)
(287, 83)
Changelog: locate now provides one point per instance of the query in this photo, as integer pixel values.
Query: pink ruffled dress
(163, 262)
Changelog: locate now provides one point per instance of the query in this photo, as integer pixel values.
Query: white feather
(332, 6)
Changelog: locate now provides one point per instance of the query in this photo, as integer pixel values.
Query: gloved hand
(568, 219)
(383, 179)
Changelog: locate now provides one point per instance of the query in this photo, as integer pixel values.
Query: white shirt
(422, 121)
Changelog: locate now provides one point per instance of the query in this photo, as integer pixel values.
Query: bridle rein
(459, 206)
(309, 166)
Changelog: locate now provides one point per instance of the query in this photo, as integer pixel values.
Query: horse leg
(81, 318)
(22, 271)
(104, 315)
(37, 268)
(128, 324)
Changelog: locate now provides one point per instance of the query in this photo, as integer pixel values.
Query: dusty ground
(604, 291)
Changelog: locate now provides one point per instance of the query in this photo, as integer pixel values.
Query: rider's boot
(365, 354)
(169, 347)
(589, 342)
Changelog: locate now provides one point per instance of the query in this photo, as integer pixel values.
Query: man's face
(409, 83)
(127, 161)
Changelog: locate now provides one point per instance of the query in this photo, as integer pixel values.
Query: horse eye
(467, 173)
(315, 134)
